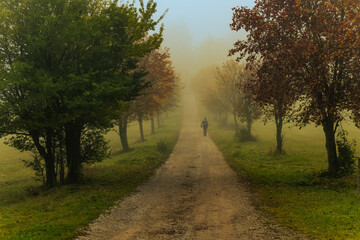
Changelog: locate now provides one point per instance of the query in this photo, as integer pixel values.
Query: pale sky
(202, 18)
(198, 32)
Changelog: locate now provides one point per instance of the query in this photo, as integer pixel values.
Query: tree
(65, 66)
(173, 101)
(232, 80)
(267, 49)
(248, 108)
(162, 81)
(229, 77)
(275, 92)
(205, 85)
(318, 45)
(216, 104)
(122, 123)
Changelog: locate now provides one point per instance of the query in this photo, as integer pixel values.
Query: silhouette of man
(204, 125)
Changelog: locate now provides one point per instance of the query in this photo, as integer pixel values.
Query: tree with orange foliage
(316, 44)
(162, 81)
(161, 84)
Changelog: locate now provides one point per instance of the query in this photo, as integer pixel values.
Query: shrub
(162, 146)
(346, 154)
(243, 135)
(38, 165)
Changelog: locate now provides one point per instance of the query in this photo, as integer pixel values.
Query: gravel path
(194, 195)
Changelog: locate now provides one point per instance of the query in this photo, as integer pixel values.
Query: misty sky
(198, 32)
(202, 18)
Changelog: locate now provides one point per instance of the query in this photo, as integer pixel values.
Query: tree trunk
(249, 119)
(236, 123)
(123, 135)
(333, 165)
(73, 151)
(140, 119)
(158, 114)
(60, 156)
(248, 126)
(279, 137)
(50, 172)
(50, 179)
(152, 124)
(50, 159)
(62, 170)
(224, 119)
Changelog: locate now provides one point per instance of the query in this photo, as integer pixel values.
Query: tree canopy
(313, 46)
(66, 66)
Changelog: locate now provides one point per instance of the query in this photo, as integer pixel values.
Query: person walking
(204, 125)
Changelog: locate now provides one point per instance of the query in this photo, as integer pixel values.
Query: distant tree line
(223, 91)
(68, 70)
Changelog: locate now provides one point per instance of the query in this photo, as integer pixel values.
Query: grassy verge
(289, 186)
(26, 212)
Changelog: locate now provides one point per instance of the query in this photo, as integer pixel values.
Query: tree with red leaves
(266, 50)
(314, 47)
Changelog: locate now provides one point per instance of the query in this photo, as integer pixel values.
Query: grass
(28, 212)
(289, 186)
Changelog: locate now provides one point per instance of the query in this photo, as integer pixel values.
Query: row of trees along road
(160, 95)
(223, 91)
(66, 70)
(306, 60)
(232, 79)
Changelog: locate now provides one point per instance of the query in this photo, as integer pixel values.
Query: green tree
(65, 67)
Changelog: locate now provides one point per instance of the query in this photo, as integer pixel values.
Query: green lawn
(27, 212)
(289, 186)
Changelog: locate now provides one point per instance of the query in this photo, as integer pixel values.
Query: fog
(189, 58)
(198, 33)
(196, 49)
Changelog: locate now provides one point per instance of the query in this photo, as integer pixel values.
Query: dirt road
(195, 195)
